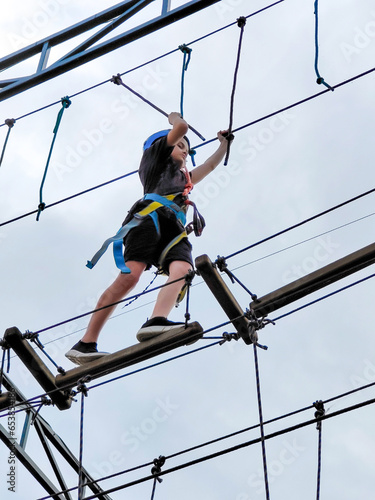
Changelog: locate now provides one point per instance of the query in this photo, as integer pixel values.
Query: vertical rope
(83, 389)
(155, 471)
(10, 122)
(318, 414)
(65, 101)
(241, 21)
(265, 472)
(320, 79)
(185, 63)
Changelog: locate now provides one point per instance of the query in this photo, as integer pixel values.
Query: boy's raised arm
(180, 128)
(213, 161)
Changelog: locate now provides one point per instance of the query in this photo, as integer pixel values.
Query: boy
(163, 173)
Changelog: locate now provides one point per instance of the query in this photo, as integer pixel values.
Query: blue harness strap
(157, 201)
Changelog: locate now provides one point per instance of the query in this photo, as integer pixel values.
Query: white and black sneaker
(156, 326)
(84, 352)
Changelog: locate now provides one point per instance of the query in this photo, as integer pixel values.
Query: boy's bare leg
(158, 322)
(168, 294)
(122, 285)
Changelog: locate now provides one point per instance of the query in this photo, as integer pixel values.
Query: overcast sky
(281, 171)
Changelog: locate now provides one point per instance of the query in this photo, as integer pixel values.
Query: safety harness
(156, 201)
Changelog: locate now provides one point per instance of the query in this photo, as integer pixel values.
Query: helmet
(148, 142)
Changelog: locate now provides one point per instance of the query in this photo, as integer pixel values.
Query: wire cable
(301, 223)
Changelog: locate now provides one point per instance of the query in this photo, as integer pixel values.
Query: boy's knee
(179, 268)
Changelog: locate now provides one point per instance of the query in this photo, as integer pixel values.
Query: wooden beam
(314, 281)
(37, 368)
(130, 356)
(223, 295)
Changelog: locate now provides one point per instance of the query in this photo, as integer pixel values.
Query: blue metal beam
(83, 54)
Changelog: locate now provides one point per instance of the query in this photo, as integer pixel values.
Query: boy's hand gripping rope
(66, 102)
(116, 79)
(241, 21)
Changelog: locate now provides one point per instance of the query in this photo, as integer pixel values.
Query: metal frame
(84, 52)
(47, 437)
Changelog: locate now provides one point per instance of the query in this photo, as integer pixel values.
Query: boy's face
(180, 151)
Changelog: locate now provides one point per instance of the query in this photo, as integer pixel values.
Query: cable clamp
(256, 324)
(81, 387)
(320, 412)
(156, 470)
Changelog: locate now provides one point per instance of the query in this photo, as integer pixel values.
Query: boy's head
(181, 149)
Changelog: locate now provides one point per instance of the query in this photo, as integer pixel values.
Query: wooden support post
(131, 355)
(224, 296)
(314, 281)
(37, 368)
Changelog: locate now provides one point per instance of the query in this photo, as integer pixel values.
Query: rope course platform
(58, 386)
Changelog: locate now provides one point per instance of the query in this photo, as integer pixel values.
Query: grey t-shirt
(159, 172)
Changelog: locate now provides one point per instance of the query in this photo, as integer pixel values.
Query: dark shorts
(144, 244)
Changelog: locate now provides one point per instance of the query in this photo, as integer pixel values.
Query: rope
(147, 62)
(70, 197)
(221, 264)
(155, 471)
(320, 412)
(305, 221)
(10, 122)
(118, 81)
(241, 21)
(185, 63)
(65, 101)
(34, 337)
(234, 448)
(261, 424)
(81, 387)
(319, 80)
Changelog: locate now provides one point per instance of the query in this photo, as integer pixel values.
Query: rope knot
(66, 102)
(185, 49)
(227, 337)
(241, 21)
(320, 412)
(116, 79)
(156, 470)
(10, 122)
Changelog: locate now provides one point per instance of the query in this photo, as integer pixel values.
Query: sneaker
(156, 326)
(84, 352)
